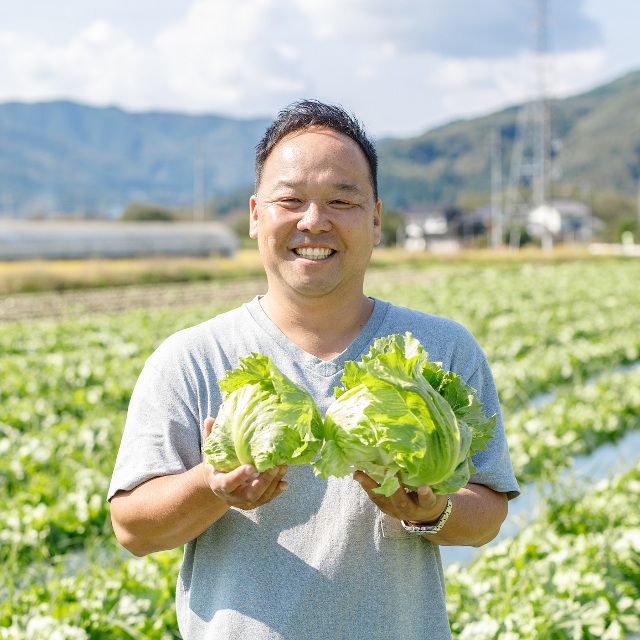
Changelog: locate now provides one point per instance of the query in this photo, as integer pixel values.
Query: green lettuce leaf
(265, 420)
(468, 409)
(402, 419)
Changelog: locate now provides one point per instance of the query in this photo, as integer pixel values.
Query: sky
(401, 66)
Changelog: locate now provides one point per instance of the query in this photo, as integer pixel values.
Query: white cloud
(87, 67)
(514, 79)
(567, 73)
(400, 66)
(230, 55)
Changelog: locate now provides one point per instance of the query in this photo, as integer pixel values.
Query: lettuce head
(400, 416)
(265, 420)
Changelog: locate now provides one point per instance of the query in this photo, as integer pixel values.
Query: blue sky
(402, 67)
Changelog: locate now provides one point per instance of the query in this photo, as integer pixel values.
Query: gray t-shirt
(320, 561)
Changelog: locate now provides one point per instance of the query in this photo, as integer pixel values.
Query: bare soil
(60, 304)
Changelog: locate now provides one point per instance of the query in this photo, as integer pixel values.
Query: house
(565, 220)
(437, 228)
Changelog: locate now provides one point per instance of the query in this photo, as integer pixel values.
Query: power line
(529, 183)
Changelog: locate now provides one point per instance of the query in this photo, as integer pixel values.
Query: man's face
(314, 215)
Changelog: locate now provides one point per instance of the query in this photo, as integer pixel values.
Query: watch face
(416, 528)
(421, 529)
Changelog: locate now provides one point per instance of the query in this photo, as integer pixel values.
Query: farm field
(77, 275)
(568, 330)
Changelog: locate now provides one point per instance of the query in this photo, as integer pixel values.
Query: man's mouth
(313, 253)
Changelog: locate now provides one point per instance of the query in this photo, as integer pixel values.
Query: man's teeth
(314, 253)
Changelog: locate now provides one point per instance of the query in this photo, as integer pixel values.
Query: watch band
(430, 528)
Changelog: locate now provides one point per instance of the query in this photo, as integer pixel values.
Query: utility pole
(531, 152)
(542, 188)
(496, 189)
(543, 146)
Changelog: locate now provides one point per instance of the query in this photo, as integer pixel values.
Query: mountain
(61, 156)
(596, 139)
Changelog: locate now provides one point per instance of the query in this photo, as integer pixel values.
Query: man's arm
(168, 511)
(476, 517)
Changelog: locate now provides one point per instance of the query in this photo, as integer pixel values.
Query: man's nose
(315, 219)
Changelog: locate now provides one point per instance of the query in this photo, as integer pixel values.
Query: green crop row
(543, 440)
(541, 326)
(62, 410)
(66, 385)
(572, 574)
(97, 593)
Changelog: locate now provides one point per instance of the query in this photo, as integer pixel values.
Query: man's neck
(320, 327)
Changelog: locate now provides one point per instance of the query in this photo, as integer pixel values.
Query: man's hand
(421, 506)
(243, 488)
(475, 520)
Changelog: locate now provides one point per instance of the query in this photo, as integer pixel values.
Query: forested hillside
(63, 157)
(66, 157)
(595, 140)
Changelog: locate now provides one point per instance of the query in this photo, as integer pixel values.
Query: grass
(60, 275)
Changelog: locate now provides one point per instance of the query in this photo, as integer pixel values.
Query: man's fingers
(243, 489)
(402, 500)
(365, 481)
(421, 505)
(229, 482)
(426, 498)
(275, 487)
(208, 425)
(368, 484)
(263, 487)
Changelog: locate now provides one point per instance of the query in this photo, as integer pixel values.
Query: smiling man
(316, 217)
(303, 557)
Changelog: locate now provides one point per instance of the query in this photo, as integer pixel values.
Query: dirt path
(59, 304)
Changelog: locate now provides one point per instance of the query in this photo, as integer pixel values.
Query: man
(303, 557)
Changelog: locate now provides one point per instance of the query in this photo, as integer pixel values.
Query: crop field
(563, 340)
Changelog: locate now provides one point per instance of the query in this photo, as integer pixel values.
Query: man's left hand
(421, 506)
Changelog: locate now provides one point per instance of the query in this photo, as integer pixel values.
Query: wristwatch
(430, 528)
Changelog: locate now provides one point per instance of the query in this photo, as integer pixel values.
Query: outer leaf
(265, 420)
(398, 413)
(465, 405)
(253, 369)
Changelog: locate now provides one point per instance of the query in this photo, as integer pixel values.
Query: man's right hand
(168, 511)
(243, 488)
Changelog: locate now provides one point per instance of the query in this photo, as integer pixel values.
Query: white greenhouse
(54, 240)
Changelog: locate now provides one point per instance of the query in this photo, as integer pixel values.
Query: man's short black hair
(309, 113)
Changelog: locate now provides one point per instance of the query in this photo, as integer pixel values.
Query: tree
(617, 210)
(391, 220)
(144, 211)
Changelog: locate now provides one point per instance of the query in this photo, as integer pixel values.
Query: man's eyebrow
(344, 187)
(347, 186)
(338, 186)
(286, 184)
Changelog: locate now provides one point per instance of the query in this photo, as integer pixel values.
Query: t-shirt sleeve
(493, 465)
(162, 435)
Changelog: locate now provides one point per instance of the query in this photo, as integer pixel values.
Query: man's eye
(341, 203)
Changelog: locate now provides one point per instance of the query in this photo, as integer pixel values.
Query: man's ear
(253, 220)
(376, 223)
